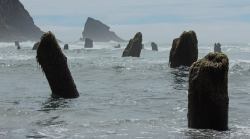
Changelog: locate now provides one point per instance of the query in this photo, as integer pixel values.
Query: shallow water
(119, 97)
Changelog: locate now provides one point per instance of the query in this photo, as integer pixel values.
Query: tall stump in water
(154, 46)
(88, 43)
(217, 47)
(208, 93)
(134, 46)
(17, 44)
(184, 51)
(54, 65)
(66, 47)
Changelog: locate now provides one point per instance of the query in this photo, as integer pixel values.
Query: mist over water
(119, 97)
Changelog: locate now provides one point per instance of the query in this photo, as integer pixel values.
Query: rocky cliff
(15, 22)
(98, 32)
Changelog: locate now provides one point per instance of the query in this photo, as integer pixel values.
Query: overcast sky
(159, 20)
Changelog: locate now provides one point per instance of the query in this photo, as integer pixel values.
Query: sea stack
(17, 44)
(217, 47)
(98, 31)
(184, 51)
(16, 23)
(134, 46)
(154, 46)
(66, 47)
(54, 65)
(208, 93)
(88, 43)
(35, 46)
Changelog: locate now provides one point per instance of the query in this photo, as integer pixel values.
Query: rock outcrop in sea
(154, 46)
(98, 32)
(208, 93)
(54, 65)
(134, 46)
(16, 24)
(88, 43)
(184, 51)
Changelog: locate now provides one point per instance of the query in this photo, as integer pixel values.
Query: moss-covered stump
(184, 51)
(66, 47)
(88, 43)
(208, 93)
(35, 46)
(154, 46)
(54, 65)
(134, 46)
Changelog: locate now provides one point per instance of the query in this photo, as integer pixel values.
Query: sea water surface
(120, 98)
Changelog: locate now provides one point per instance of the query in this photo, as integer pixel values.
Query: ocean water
(120, 98)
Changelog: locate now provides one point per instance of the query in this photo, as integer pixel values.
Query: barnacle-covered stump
(208, 93)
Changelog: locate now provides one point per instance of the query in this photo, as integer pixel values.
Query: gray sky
(159, 20)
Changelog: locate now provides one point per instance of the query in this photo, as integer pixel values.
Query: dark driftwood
(134, 46)
(54, 65)
(184, 51)
(208, 93)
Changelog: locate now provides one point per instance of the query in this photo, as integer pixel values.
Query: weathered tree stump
(54, 65)
(208, 93)
(217, 47)
(88, 43)
(134, 46)
(66, 47)
(154, 46)
(184, 51)
(17, 44)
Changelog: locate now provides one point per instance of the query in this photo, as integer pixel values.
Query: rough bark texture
(184, 51)
(99, 32)
(15, 23)
(208, 93)
(88, 43)
(154, 46)
(134, 46)
(54, 65)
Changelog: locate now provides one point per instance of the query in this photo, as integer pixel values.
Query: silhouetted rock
(66, 47)
(99, 32)
(17, 44)
(35, 46)
(16, 23)
(208, 93)
(54, 65)
(88, 43)
(134, 46)
(184, 50)
(217, 47)
(154, 46)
